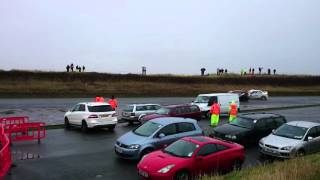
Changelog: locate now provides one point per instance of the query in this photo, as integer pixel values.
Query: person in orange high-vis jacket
(215, 113)
(113, 102)
(233, 108)
(99, 99)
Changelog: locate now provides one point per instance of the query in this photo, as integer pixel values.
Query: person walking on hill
(68, 68)
(71, 67)
(113, 102)
(233, 111)
(83, 68)
(215, 113)
(274, 71)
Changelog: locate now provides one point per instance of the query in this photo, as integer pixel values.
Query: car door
(313, 145)
(186, 129)
(73, 114)
(207, 159)
(80, 113)
(261, 129)
(179, 112)
(170, 135)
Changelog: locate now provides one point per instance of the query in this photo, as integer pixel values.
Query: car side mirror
(273, 130)
(161, 135)
(310, 138)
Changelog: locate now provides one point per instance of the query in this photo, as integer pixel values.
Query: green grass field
(59, 84)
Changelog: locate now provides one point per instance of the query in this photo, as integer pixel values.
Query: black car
(249, 128)
(243, 95)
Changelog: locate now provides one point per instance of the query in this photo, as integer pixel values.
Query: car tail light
(114, 115)
(93, 116)
(132, 114)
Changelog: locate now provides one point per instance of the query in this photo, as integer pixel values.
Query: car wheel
(111, 128)
(84, 126)
(300, 153)
(66, 123)
(263, 98)
(237, 165)
(182, 175)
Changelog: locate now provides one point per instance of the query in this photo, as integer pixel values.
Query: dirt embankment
(60, 84)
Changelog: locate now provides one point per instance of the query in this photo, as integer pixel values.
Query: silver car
(132, 112)
(295, 138)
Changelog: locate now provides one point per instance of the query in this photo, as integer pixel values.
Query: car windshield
(289, 131)
(128, 109)
(243, 122)
(163, 111)
(147, 129)
(101, 108)
(202, 99)
(181, 148)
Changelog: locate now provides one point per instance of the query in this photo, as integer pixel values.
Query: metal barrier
(19, 129)
(5, 154)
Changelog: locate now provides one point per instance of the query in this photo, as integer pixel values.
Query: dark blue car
(155, 134)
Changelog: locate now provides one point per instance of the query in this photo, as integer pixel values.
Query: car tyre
(84, 127)
(300, 153)
(263, 98)
(237, 165)
(66, 123)
(182, 175)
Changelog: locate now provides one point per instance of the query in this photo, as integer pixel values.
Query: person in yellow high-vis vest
(215, 113)
(233, 111)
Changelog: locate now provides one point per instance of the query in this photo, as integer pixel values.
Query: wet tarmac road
(52, 110)
(70, 154)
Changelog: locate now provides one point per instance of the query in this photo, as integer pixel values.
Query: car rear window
(101, 108)
(128, 109)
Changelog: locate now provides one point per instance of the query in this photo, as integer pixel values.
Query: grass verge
(305, 168)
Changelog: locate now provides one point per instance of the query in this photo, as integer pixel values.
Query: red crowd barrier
(5, 153)
(19, 129)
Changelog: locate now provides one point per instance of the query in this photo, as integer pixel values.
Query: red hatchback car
(181, 110)
(191, 156)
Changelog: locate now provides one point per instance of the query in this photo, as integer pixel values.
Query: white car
(258, 94)
(91, 115)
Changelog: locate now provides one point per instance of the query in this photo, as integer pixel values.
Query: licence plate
(143, 173)
(119, 150)
(270, 151)
(104, 115)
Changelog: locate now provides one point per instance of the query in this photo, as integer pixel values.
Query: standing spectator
(218, 71)
(202, 71)
(83, 68)
(68, 67)
(71, 66)
(253, 71)
(250, 71)
(113, 102)
(269, 71)
(260, 69)
(274, 71)
(225, 71)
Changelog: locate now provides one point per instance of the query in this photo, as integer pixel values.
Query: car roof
(177, 105)
(217, 94)
(143, 104)
(94, 103)
(305, 124)
(256, 116)
(171, 120)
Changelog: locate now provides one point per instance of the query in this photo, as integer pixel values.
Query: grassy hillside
(306, 168)
(59, 84)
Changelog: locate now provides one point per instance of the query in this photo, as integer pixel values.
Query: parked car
(190, 157)
(243, 95)
(153, 135)
(205, 101)
(181, 110)
(91, 115)
(258, 94)
(249, 128)
(132, 112)
(292, 139)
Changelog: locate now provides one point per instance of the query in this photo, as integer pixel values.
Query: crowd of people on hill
(71, 68)
(252, 72)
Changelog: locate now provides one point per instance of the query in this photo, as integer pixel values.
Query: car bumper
(130, 118)
(102, 123)
(144, 174)
(276, 152)
(130, 154)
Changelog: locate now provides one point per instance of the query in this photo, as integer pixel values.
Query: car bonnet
(280, 142)
(132, 138)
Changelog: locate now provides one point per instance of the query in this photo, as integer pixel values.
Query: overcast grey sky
(167, 36)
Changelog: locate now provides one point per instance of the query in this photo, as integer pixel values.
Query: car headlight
(231, 136)
(261, 143)
(134, 146)
(166, 169)
(287, 148)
